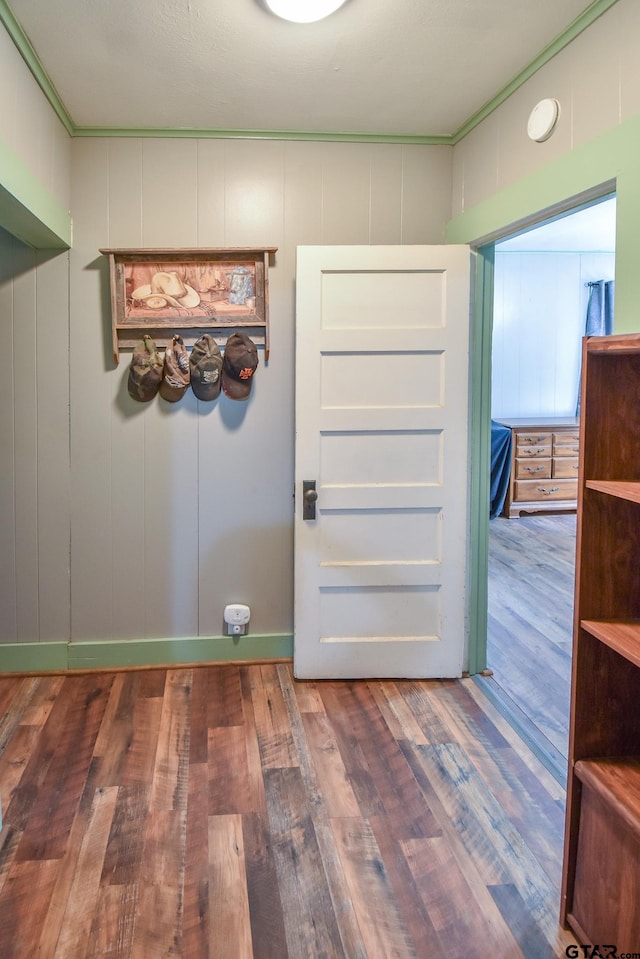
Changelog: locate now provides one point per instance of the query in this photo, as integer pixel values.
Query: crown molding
(29, 55)
(589, 16)
(193, 133)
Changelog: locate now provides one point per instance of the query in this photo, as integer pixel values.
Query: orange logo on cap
(246, 373)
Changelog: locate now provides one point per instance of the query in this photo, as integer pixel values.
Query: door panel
(382, 342)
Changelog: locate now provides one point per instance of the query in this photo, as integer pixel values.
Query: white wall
(597, 81)
(171, 511)
(29, 128)
(34, 437)
(539, 319)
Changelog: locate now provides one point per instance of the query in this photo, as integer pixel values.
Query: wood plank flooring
(230, 811)
(529, 635)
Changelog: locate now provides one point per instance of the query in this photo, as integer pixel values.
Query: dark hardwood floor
(231, 812)
(529, 636)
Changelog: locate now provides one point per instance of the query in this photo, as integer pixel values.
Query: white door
(382, 350)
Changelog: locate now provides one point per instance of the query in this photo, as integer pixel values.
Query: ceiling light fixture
(303, 11)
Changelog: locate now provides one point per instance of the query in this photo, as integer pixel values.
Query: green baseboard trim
(33, 657)
(123, 654)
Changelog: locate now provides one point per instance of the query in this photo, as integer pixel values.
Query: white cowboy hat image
(167, 289)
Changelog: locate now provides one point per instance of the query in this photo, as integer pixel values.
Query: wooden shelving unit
(601, 875)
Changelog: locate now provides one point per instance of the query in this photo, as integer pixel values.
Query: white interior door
(382, 350)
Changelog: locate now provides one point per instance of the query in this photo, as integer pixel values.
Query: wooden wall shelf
(190, 292)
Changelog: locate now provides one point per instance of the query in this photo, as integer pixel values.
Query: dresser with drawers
(544, 465)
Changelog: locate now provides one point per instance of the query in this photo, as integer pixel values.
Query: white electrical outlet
(236, 616)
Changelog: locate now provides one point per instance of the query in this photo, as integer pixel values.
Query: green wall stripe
(608, 163)
(27, 209)
(551, 188)
(120, 654)
(21, 41)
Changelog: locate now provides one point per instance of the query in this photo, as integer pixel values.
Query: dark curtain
(600, 309)
(500, 467)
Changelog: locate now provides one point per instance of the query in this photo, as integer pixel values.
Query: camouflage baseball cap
(145, 371)
(175, 375)
(206, 366)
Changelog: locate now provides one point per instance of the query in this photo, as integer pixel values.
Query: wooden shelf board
(617, 782)
(188, 323)
(619, 488)
(623, 636)
(620, 343)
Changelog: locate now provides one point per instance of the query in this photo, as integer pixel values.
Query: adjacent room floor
(531, 581)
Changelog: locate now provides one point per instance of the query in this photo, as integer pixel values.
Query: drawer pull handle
(534, 469)
(533, 439)
(548, 492)
(534, 452)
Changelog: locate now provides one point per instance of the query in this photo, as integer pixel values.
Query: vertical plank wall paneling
(539, 318)
(596, 94)
(8, 610)
(385, 218)
(346, 180)
(34, 435)
(127, 435)
(29, 127)
(173, 510)
(246, 467)
(25, 448)
(53, 464)
(219, 513)
(168, 553)
(91, 401)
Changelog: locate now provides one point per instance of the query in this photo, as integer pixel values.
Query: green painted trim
(592, 13)
(627, 315)
(120, 654)
(607, 164)
(30, 57)
(27, 209)
(33, 657)
(193, 133)
(480, 458)
(590, 170)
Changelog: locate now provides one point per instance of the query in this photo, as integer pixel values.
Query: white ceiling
(591, 230)
(390, 67)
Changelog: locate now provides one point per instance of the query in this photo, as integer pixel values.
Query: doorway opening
(542, 283)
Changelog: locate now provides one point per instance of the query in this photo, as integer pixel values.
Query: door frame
(480, 454)
(480, 406)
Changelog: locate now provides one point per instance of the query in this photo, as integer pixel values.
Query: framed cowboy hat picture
(162, 291)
